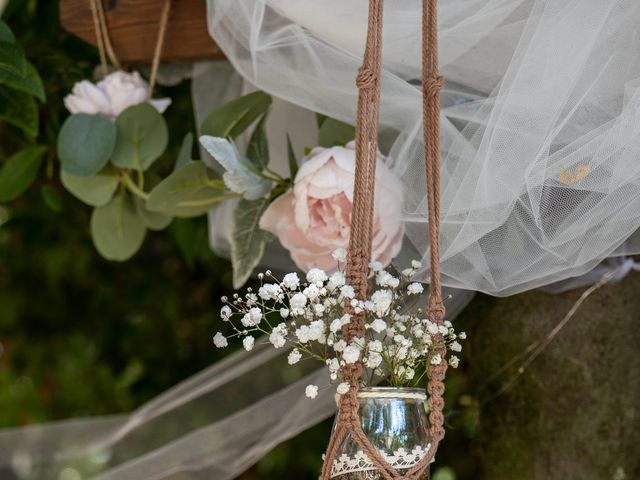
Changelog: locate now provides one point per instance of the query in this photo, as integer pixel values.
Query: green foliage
(247, 239)
(85, 144)
(291, 157)
(142, 137)
(234, 117)
(152, 220)
(258, 148)
(51, 198)
(334, 132)
(184, 155)
(19, 172)
(96, 190)
(19, 84)
(117, 229)
(19, 109)
(187, 192)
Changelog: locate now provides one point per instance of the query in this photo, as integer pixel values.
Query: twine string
(105, 47)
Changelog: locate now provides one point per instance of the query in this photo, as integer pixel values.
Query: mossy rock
(574, 413)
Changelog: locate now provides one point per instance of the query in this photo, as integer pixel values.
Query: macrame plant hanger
(105, 48)
(368, 82)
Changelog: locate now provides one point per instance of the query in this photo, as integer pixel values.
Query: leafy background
(128, 330)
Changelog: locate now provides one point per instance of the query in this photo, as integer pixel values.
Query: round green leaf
(85, 144)
(96, 190)
(152, 220)
(142, 137)
(19, 172)
(116, 229)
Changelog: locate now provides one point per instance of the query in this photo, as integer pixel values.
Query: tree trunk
(574, 413)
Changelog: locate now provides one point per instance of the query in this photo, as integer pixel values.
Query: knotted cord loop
(368, 82)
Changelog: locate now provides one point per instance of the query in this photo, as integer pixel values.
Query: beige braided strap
(368, 82)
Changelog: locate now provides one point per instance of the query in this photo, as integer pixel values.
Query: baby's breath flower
(416, 264)
(225, 312)
(291, 281)
(455, 347)
(454, 361)
(436, 359)
(378, 325)
(247, 343)
(284, 312)
(220, 340)
(311, 391)
(415, 288)
(376, 266)
(462, 336)
(340, 254)
(316, 275)
(294, 357)
(343, 388)
(351, 353)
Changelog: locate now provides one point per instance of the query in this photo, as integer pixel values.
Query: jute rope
(368, 82)
(105, 48)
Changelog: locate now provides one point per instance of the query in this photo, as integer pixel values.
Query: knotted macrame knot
(432, 86)
(436, 311)
(366, 79)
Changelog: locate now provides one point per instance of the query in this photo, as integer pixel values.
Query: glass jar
(395, 421)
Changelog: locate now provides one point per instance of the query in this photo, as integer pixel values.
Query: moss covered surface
(574, 414)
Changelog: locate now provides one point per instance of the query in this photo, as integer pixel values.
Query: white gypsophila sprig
(307, 315)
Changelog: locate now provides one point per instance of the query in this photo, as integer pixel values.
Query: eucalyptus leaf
(19, 171)
(85, 143)
(30, 82)
(293, 163)
(258, 148)
(152, 220)
(19, 109)
(241, 176)
(334, 132)
(234, 117)
(95, 190)
(247, 239)
(116, 229)
(184, 155)
(51, 198)
(188, 192)
(142, 137)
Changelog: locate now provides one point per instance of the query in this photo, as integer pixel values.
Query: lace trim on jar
(400, 459)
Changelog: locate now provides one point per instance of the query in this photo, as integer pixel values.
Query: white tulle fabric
(540, 120)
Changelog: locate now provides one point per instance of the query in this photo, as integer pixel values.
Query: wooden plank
(133, 28)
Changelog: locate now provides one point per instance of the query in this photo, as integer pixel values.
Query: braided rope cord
(368, 82)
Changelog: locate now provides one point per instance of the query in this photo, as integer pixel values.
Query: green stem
(133, 186)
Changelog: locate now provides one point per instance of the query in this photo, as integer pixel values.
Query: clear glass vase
(395, 421)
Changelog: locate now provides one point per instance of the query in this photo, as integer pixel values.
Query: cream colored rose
(111, 95)
(312, 220)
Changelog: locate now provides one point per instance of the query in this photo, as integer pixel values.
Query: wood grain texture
(133, 28)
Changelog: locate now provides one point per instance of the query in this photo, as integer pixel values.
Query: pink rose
(312, 220)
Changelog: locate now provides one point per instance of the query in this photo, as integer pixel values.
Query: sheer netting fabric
(540, 120)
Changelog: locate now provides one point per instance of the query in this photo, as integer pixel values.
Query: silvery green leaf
(240, 176)
(247, 239)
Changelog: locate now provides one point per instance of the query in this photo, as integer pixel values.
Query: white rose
(111, 95)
